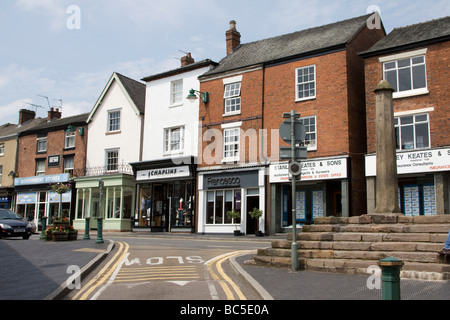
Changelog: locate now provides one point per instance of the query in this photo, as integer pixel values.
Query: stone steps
(351, 245)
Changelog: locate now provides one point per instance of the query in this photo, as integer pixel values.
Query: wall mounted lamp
(71, 128)
(193, 94)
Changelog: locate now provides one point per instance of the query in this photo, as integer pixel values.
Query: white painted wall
(128, 140)
(159, 115)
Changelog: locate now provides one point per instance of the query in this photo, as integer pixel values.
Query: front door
(252, 224)
(161, 206)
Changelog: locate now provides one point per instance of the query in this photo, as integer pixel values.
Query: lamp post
(292, 131)
(100, 217)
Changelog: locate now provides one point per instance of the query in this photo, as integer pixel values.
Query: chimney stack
(187, 60)
(52, 114)
(233, 37)
(26, 115)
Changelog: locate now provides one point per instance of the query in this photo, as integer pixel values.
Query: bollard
(86, 229)
(44, 226)
(390, 278)
(99, 230)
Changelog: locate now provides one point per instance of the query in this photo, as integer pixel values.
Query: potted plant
(256, 214)
(73, 234)
(233, 214)
(60, 234)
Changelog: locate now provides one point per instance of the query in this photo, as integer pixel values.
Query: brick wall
(27, 154)
(438, 73)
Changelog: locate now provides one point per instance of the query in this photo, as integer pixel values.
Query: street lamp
(194, 94)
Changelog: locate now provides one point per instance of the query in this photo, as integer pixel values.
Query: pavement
(47, 281)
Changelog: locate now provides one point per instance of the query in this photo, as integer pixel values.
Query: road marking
(104, 273)
(224, 280)
(157, 273)
(90, 250)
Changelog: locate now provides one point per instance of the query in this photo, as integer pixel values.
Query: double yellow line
(225, 282)
(104, 274)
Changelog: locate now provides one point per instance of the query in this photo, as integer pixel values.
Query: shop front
(165, 192)
(322, 191)
(241, 190)
(35, 198)
(108, 196)
(423, 179)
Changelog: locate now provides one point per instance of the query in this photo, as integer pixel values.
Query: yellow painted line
(103, 274)
(218, 261)
(157, 278)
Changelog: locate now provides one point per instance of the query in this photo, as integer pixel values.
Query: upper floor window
(232, 98)
(311, 132)
(176, 92)
(112, 160)
(412, 132)
(1, 173)
(174, 140)
(406, 74)
(231, 141)
(2, 149)
(42, 144)
(40, 167)
(68, 165)
(114, 121)
(305, 81)
(69, 141)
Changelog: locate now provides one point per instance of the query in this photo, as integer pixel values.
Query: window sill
(179, 104)
(305, 99)
(113, 132)
(410, 93)
(230, 114)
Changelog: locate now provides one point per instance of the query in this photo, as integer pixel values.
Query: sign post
(293, 132)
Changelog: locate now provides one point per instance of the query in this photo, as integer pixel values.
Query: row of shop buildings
(178, 150)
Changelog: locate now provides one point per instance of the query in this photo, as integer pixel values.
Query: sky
(61, 53)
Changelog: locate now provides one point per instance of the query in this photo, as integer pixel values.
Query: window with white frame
(305, 81)
(176, 92)
(114, 121)
(69, 141)
(68, 165)
(2, 149)
(40, 167)
(112, 160)
(174, 140)
(231, 143)
(412, 132)
(232, 98)
(311, 132)
(406, 74)
(41, 144)
(219, 202)
(1, 174)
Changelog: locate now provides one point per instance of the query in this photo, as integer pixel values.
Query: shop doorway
(252, 202)
(161, 208)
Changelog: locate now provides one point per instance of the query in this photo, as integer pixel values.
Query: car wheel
(26, 237)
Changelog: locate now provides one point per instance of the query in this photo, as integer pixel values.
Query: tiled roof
(135, 89)
(57, 124)
(293, 45)
(413, 35)
(189, 67)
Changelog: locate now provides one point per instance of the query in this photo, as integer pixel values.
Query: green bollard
(99, 230)
(44, 226)
(390, 278)
(86, 229)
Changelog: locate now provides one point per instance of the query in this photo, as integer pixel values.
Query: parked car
(13, 225)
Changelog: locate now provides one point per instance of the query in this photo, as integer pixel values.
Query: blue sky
(41, 56)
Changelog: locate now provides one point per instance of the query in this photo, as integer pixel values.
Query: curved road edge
(63, 290)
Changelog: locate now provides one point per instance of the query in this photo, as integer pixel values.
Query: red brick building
(316, 72)
(51, 152)
(415, 61)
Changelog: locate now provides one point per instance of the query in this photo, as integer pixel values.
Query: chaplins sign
(163, 173)
(415, 161)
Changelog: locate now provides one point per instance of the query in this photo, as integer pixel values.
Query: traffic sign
(299, 131)
(300, 153)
